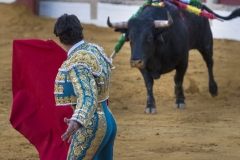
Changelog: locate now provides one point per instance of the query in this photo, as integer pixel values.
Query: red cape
(35, 64)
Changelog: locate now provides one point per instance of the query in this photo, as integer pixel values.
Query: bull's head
(144, 36)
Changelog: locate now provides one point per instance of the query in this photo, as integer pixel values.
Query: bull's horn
(117, 25)
(161, 23)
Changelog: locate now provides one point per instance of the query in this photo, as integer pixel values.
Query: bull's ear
(164, 37)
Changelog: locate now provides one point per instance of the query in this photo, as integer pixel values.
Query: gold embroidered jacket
(83, 81)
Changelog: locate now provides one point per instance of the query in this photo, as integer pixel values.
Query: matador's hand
(73, 126)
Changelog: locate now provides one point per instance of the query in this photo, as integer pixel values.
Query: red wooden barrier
(229, 2)
(32, 4)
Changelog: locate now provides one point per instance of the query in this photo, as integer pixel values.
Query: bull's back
(187, 26)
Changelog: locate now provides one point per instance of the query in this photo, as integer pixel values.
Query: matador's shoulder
(83, 58)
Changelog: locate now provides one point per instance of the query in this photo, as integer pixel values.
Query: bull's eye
(150, 39)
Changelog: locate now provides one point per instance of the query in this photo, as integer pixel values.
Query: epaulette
(83, 58)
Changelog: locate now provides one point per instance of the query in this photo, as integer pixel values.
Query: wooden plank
(30, 4)
(93, 4)
(229, 2)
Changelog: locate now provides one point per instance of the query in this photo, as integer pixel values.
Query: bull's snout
(137, 63)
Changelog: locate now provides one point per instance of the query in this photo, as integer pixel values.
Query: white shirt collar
(75, 46)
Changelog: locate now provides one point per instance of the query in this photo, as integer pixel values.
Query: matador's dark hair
(69, 30)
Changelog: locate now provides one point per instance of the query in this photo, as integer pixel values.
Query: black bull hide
(156, 51)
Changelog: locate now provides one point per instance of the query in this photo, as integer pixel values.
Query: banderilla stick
(113, 54)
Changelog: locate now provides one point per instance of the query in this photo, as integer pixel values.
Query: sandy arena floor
(208, 129)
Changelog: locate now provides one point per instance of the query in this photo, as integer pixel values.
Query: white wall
(221, 30)
(7, 1)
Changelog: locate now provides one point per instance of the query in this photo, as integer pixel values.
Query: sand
(208, 129)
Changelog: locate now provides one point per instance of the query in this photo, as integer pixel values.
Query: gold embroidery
(83, 57)
(87, 137)
(81, 138)
(77, 151)
(74, 80)
(65, 100)
(89, 103)
(89, 131)
(82, 119)
(102, 128)
(90, 123)
(80, 101)
(60, 77)
(60, 100)
(111, 65)
(103, 83)
(58, 88)
(103, 96)
(83, 77)
(82, 113)
(68, 78)
(73, 99)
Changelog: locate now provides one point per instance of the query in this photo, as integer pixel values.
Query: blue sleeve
(85, 89)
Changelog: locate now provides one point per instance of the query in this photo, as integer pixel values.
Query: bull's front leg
(179, 92)
(150, 107)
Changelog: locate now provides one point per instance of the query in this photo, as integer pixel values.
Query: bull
(159, 46)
